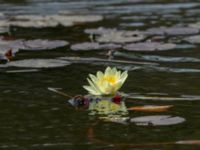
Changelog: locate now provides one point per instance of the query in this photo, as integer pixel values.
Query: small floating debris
(38, 63)
(193, 39)
(172, 31)
(94, 46)
(157, 120)
(149, 46)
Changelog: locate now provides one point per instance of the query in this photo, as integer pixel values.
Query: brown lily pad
(151, 108)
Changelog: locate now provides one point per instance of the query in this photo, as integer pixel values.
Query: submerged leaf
(151, 108)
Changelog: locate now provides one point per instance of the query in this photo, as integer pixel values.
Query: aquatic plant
(107, 83)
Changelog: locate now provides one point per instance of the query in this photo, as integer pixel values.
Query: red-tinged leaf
(9, 55)
(151, 108)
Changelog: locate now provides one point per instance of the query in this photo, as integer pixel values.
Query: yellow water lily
(107, 83)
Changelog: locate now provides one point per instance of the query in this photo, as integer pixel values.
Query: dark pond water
(34, 118)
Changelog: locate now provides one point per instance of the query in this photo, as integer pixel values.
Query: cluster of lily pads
(152, 39)
(44, 21)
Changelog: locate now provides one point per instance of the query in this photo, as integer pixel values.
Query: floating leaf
(157, 120)
(193, 39)
(95, 60)
(39, 63)
(156, 58)
(195, 25)
(162, 98)
(43, 44)
(86, 46)
(94, 46)
(172, 31)
(39, 21)
(120, 37)
(149, 46)
(100, 30)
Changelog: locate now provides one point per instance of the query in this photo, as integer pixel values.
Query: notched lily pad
(94, 46)
(157, 120)
(172, 31)
(149, 46)
(193, 39)
(39, 63)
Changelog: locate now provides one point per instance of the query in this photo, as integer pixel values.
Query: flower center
(111, 79)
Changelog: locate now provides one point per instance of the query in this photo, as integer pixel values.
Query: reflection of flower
(106, 83)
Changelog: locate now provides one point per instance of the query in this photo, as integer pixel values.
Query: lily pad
(195, 25)
(43, 44)
(39, 21)
(149, 46)
(155, 58)
(100, 30)
(157, 120)
(121, 37)
(4, 26)
(151, 108)
(16, 45)
(94, 46)
(39, 63)
(172, 31)
(86, 46)
(193, 39)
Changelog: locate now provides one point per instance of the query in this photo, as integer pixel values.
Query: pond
(56, 44)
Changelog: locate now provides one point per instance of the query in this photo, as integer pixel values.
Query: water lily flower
(107, 83)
